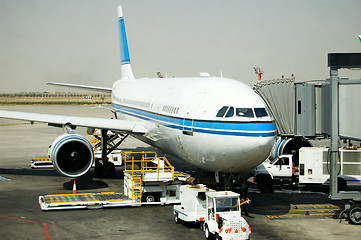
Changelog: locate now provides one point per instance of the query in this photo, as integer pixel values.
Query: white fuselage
(181, 117)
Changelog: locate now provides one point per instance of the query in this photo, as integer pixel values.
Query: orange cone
(74, 187)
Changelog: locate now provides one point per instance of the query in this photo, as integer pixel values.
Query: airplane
(214, 123)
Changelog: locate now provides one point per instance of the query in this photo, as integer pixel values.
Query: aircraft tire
(98, 170)
(109, 170)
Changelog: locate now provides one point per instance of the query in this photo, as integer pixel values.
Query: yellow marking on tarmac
(107, 192)
(300, 211)
(299, 215)
(116, 200)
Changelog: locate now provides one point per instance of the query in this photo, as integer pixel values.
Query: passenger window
(261, 112)
(222, 111)
(230, 112)
(244, 112)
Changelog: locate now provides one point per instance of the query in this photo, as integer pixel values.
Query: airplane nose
(266, 141)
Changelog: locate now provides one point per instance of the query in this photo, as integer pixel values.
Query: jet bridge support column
(334, 131)
(335, 62)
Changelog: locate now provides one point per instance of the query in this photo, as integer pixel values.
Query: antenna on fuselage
(125, 69)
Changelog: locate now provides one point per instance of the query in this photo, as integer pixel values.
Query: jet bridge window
(261, 112)
(244, 112)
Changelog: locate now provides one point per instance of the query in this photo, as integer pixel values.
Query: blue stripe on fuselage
(247, 129)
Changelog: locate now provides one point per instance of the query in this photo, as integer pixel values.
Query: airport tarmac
(283, 214)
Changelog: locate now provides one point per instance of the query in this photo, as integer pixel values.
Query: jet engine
(289, 146)
(72, 155)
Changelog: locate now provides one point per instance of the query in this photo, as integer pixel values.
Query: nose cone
(256, 154)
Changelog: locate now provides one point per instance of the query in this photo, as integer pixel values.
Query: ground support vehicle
(44, 162)
(114, 157)
(218, 212)
(148, 179)
(312, 167)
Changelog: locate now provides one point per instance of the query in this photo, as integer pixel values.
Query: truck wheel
(264, 183)
(218, 237)
(207, 233)
(201, 226)
(176, 218)
(150, 199)
(355, 215)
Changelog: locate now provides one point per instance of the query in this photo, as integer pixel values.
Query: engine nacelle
(72, 155)
(289, 146)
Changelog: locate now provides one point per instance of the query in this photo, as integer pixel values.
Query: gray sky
(76, 41)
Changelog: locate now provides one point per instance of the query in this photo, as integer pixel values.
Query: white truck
(312, 167)
(218, 212)
(114, 157)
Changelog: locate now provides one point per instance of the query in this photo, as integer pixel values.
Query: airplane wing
(85, 87)
(92, 122)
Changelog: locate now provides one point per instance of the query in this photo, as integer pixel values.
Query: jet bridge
(325, 109)
(303, 109)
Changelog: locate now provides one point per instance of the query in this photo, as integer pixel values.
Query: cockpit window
(261, 112)
(230, 112)
(222, 111)
(244, 112)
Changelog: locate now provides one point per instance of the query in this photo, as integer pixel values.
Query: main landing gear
(107, 142)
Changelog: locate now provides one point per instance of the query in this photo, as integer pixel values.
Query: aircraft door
(193, 107)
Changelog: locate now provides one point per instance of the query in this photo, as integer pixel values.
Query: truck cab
(223, 218)
(282, 168)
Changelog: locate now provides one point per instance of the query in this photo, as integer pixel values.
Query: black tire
(264, 183)
(355, 215)
(176, 218)
(98, 171)
(150, 198)
(341, 184)
(218, 237)
(201, 226)
(207, 233)
(109, 170)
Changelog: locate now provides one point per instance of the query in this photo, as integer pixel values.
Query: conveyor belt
(84, 200)
(83, 197)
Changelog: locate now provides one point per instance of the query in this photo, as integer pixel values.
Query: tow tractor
(148, 179)
(218, 212)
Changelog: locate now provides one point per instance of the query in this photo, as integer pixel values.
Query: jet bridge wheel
(355, 214)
